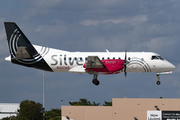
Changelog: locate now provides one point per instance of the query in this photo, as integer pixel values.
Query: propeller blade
(125, 63)
(125, 55)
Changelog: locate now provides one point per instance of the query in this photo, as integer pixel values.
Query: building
(126, 109)
(8, 109)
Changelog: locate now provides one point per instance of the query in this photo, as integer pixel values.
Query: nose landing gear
(158, 82)
(95, 81)
(161, 73)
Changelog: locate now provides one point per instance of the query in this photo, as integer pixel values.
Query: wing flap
(77, 69)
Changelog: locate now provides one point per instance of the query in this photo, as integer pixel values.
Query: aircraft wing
(94, 62)
(77, 69)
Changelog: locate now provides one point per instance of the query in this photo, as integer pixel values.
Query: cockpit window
(157, 58)
(154, 58)
(160, 58)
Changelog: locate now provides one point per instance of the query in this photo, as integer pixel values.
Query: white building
(8, 109)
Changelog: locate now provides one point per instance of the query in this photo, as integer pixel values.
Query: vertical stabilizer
(16, 38)
(21, 50)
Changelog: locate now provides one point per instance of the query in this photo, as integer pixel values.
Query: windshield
(161, 58)
(157, 58)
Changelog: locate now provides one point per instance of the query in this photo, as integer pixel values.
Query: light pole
(44, 94)
(62, 101)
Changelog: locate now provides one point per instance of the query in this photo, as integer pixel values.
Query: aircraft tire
(158, 82)
(95, 81)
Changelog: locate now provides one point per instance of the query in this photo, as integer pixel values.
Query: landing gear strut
(158, 82)
(95, 81)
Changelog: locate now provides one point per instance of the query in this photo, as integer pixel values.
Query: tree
(30, 110)
(9, 118)
(107, 103)
(53, 114)
(83, 102)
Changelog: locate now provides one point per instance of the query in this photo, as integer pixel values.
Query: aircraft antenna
(107, 50)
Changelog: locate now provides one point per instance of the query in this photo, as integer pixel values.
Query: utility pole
(44, 94)
(62, 101)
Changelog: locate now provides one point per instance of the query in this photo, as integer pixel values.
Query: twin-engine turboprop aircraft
(22, 52)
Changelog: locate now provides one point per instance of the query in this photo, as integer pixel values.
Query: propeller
(125, 64)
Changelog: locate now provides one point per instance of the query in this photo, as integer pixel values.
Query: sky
(91, 26)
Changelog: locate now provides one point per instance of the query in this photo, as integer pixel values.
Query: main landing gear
(95, 81)
(158, 82)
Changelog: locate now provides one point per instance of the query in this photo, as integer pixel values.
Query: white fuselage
(64, 61)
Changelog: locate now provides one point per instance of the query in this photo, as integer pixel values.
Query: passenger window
(119, 58)
(108, 58)
(86, 58)
(113, 57)
(102, 58)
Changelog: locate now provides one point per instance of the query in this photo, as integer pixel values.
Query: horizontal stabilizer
(22, 53)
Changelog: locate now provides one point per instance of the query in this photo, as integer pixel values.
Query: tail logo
(13, 46)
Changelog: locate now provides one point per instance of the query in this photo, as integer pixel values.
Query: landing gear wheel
(95, 81)
(158, 82)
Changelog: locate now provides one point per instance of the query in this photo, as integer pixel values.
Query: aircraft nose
(172, 67)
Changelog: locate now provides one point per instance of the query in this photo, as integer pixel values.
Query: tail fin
(21, 50)
(19, 45)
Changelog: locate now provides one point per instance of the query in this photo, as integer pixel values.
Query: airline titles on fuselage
(63, 62)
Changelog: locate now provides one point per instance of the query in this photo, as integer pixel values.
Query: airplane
(22, 52)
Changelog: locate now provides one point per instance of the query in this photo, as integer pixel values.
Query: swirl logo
(13, 46)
